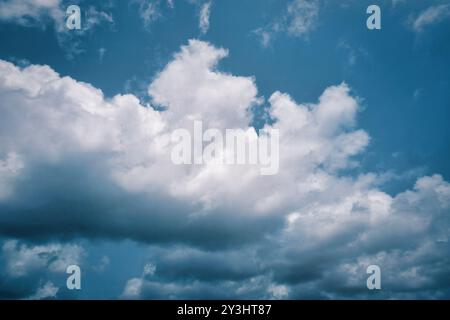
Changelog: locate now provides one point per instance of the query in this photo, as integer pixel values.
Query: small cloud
(265, 36)
(149, 269)
(20, 61)
(149, 12)
(353, 54)
(432, 15)
(95, 17)
(71, 41)
(47, 291)
(417, 94)
(278, 291)
(38, 13)
(205, 12)
(29, 12)
(302, 17)
(395, 3)
(103, 264)
(132, 289)
(298, 20)
(22, 259)
(101, 53)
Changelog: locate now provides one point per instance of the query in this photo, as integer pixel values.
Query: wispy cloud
(432, 15)
(52, 12)
(151, 11)
(28, 12)
(205, 12)
(302, 16)
(298, 20)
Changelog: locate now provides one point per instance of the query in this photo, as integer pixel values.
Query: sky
(85, 143)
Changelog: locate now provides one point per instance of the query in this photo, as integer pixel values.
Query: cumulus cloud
(431, 15)
(323, 252)
(75, 163)
(25, 269)
(298, 20)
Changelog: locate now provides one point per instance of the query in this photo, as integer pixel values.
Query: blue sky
(114, 220)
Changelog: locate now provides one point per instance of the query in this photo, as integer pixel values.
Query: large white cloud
(75, 163)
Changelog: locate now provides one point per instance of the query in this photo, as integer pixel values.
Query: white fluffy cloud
(75, 163)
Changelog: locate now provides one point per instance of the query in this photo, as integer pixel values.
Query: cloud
(25, 269)
(132, 289)
(38, 13)
(323, 252)
(302, 16)
(32, 13)
(94, 17)
(353, 53)
(128, 148)
(298, 20)
(21, 260)
(71, 41)
(151, 10)
(29, 11)
(205, 12)
(396, 3)
(148, 11)
(214, 230)
(191, 88)
(101, 53)
(48, 290)
(431, 15)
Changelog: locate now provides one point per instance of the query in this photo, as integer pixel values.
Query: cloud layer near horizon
(74, 163)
